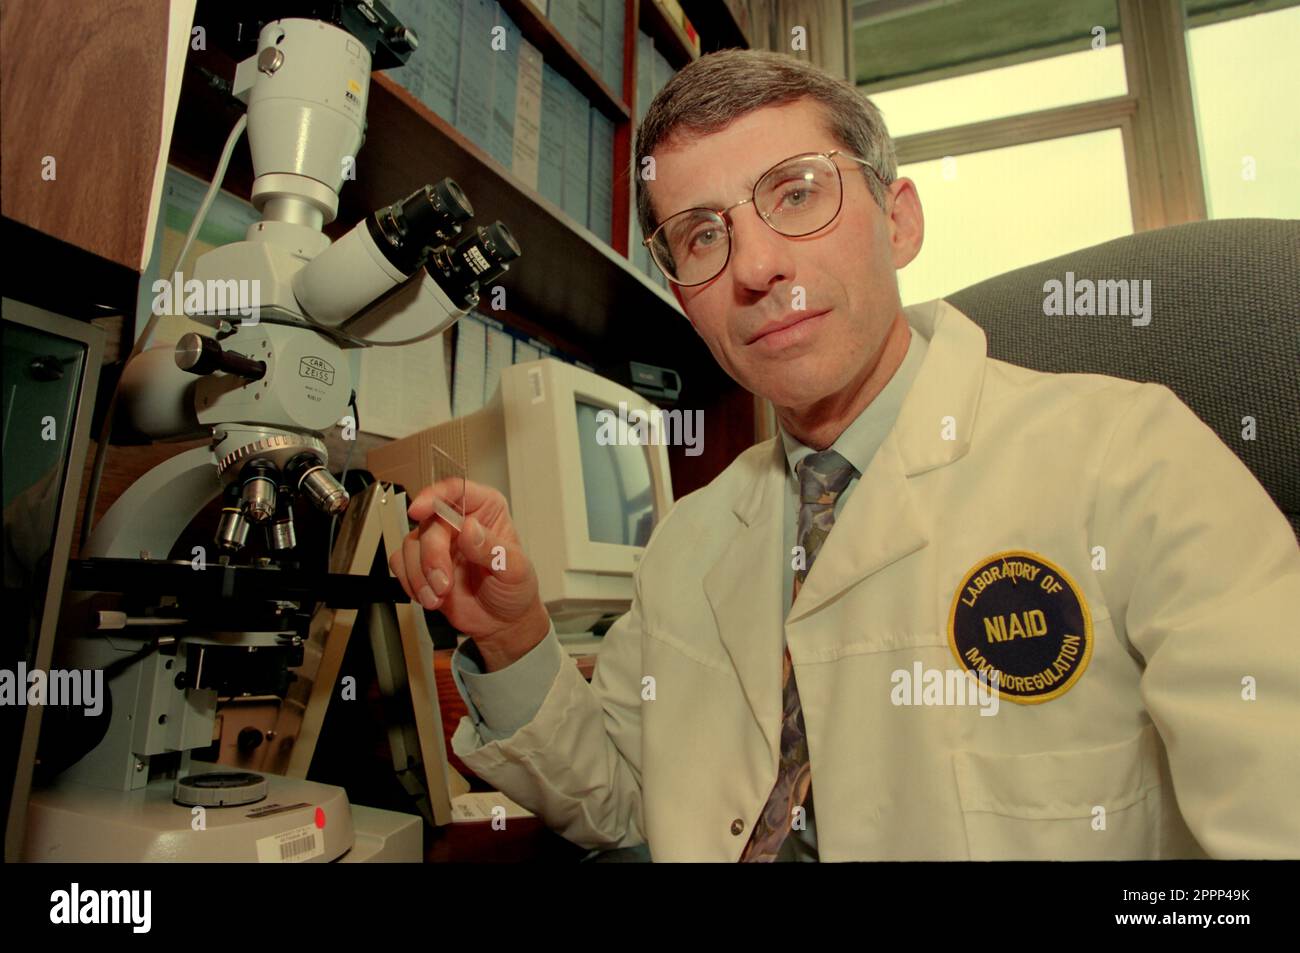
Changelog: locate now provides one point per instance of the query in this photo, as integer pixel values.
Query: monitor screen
(617, 482)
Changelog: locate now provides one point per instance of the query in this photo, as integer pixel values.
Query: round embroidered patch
(1020, 615)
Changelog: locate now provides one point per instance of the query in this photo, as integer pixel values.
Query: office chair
(1224, 331)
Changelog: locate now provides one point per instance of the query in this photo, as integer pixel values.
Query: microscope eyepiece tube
(429, 216)
(482, 256)
(435, 213)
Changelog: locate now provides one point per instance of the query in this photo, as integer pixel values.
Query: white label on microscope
(291, 846)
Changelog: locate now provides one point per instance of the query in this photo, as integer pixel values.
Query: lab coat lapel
(744, 589)
(882, 520)
(880, 523)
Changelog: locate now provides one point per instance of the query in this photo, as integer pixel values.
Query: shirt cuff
(502, 702)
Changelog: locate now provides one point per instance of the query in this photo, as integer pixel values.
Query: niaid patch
(1020, 614)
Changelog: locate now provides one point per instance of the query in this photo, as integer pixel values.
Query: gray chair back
(1222, 329)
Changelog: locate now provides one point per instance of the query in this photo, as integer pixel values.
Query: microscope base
(70, 822)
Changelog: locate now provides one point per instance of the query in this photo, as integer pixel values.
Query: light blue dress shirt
(502, 702)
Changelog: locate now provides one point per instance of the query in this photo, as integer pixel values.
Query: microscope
(264, 387)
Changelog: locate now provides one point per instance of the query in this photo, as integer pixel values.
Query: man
(957, 609)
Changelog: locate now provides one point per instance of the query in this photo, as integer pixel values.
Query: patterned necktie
(822, 478)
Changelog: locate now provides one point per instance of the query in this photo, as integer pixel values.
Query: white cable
(101, 448)
(199, 217)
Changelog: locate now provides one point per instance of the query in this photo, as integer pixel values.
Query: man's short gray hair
(719, 88)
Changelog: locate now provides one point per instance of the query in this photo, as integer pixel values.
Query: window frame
(1156, 118)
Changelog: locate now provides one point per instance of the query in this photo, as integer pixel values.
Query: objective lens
(324, 491)
(282, 534)
(232, 530)
(258, 497)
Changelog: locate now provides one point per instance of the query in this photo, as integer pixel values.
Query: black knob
(248, 739)
(403, 39)
(200, 354)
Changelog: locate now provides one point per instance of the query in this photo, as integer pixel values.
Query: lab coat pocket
(1096, 804)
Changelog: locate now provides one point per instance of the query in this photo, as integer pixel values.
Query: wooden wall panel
(82, 83)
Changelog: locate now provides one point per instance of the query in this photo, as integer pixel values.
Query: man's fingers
(451, 490)
(397, 565)
(421, 507)
(416, 582)
(480, 547)
(435, 556)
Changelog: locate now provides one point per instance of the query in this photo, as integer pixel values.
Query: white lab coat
(1159, 749)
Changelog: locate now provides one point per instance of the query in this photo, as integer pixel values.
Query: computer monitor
(51, 373)
(583, 464)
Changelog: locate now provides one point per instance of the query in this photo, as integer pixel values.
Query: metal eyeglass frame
(724, 213)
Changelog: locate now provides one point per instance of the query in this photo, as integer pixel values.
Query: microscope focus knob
(200, 354)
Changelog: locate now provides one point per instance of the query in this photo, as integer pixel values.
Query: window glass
(1008, 91)
(1245, 84)
(989, 212)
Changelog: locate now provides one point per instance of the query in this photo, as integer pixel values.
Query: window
(1245, 75)
(1034, 127)
(989, 212)
(1076, 77)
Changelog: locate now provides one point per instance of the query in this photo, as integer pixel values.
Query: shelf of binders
(583, 68)
(716, 24)
(552, 90)
(568, 281)
(568, 278)
(544, 89)
(667, 33)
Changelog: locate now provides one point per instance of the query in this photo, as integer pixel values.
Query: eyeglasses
(796, 197)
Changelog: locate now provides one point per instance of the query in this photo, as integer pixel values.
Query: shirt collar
(860, 440)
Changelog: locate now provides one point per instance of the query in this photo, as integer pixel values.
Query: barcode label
(294, 848)
(291, 846)
(535, 380)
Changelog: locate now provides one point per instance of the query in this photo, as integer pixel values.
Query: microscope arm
(153, 512)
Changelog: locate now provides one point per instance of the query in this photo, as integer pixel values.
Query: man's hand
(497, 607)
